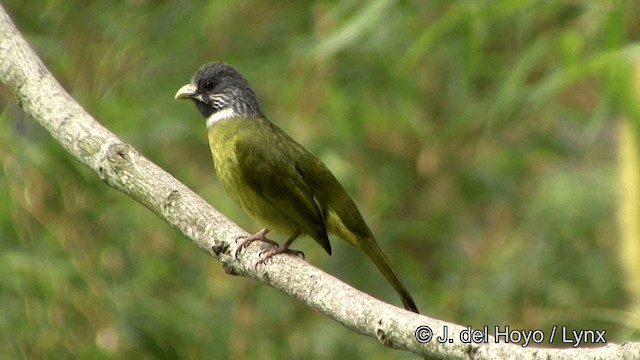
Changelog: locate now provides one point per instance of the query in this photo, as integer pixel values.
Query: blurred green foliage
(477, 137)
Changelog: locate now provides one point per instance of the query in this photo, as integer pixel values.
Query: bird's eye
(209, 85)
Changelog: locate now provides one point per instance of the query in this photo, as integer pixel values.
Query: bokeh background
(491, 146)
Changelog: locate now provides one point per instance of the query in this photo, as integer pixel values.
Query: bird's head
(220, 92)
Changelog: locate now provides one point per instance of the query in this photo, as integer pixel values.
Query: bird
(274, 179)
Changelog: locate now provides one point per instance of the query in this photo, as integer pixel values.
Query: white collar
(220, 115)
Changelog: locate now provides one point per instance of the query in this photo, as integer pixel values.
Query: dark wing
(269, 161)
(333, 198)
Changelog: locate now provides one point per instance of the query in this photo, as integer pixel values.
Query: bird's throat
(226, 113)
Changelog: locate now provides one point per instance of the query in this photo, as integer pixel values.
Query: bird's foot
(259, 236)
(283, 249)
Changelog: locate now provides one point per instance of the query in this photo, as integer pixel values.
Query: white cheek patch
(226, 113)
(219, 100)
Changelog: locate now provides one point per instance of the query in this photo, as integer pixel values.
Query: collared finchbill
(275, 180)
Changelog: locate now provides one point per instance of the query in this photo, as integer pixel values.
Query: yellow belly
(222, 138)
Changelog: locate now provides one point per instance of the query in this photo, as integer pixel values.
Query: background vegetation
(479, 138)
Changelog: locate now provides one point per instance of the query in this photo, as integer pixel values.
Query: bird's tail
(372, 249)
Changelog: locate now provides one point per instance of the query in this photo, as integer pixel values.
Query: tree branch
(123, 168)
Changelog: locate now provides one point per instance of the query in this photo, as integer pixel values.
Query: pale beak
(186, 92)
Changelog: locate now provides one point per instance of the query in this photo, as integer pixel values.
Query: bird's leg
(282, 249)
(259, 236)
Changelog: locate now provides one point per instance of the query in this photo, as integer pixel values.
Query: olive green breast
(282, 185)
(225, 136)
